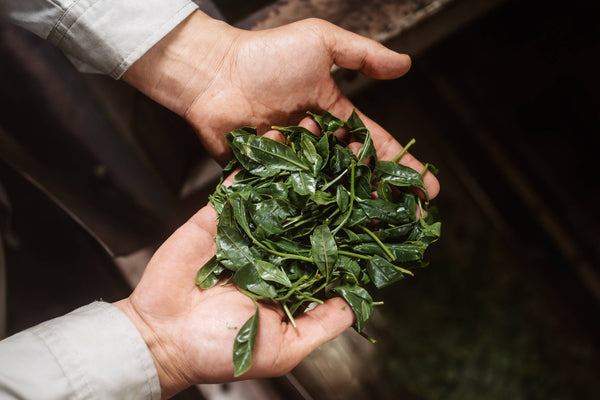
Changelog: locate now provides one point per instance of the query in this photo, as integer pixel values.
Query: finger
(370, 57)
(387, 146)
(318, 326)
(310, 124)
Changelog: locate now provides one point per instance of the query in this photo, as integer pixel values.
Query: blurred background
(503, 97)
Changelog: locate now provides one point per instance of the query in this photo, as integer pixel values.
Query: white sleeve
(101, 36)
(94, 352)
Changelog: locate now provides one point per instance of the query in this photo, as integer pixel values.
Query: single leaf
(386, 211)
(269, 215)
(399, 175)
(324, 249)
(244, 344)
(208, 275)
(248, 278)
(270, 153)
(231, 245)
(384, 191)
(362, 187)
(236, 139)
(323, 147)
(342, 198)
(270, 272)
(309, 154)
(382, 272)
(240, 213)
(302, 182)
(354, 122)
(341, 159)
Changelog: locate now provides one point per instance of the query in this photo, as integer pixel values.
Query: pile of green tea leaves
(307, 220)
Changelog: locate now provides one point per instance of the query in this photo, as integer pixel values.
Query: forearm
(176, 71)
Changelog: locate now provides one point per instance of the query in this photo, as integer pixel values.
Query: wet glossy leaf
(324, 249)
(323, 148)
(341, 158)
(248, 278)
(309, 154)
(384, 191)
(302, 182)
(382, 272)
(240, 214)
(399, 175)
(208, 275)
(269, 215)
(386, 211)
(232, 245)
(270, 272)
(342, 198)
(270, 153)
(244, 344)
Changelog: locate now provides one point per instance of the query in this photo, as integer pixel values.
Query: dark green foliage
(301, 223)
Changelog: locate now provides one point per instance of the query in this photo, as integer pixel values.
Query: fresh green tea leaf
(270, 272)
(208, 275)
(244, 344)
(303, 183)
(324, 249)
(382, 272)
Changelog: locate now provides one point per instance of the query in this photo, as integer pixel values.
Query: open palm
(190, 332)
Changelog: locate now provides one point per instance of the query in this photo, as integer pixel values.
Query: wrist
(171, 380)
(181, 66)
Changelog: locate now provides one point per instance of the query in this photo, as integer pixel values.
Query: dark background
(507, 108)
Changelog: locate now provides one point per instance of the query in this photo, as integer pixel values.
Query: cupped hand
(221, 78)
(190, 332)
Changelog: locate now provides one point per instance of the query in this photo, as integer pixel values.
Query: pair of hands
(220, 78)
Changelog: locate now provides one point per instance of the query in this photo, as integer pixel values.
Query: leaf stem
(404, 150)
(328, 184)
(289, 315)
(352, 197)
(425, 169)
(278, 253)
(348, 253)
(383, 246)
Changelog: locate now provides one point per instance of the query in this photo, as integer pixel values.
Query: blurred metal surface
(377, 19)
